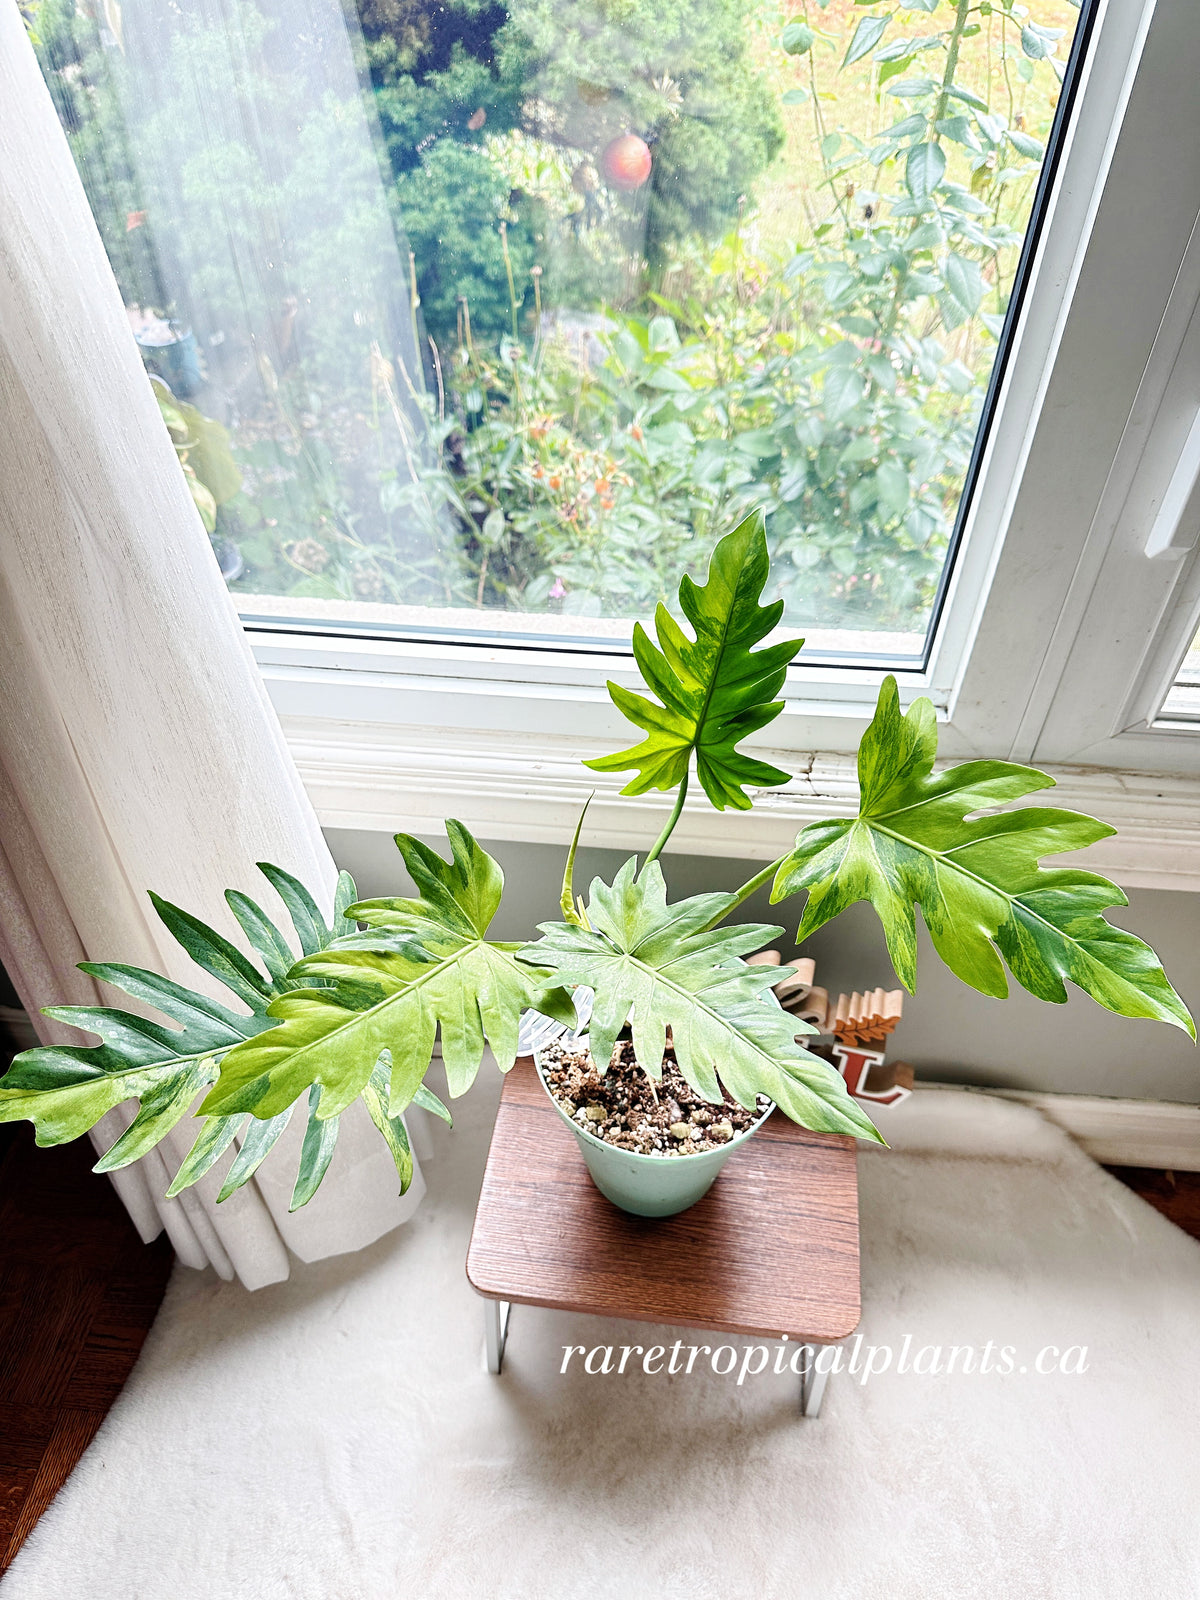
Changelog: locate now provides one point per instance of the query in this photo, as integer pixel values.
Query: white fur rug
(336, 1437)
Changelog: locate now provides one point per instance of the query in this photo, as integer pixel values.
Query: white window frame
(1035, 653)
(1081, 633)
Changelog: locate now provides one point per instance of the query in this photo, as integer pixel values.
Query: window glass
(1183, 698)
(465, 315)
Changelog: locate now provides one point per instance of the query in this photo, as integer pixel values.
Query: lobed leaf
(64, 1095)
(471, 990)
(977, 879)
(713, 690)
(263, 937)
(185, 1006)
(258, 1140)
(301, 907)
(428, 1101)
(161, 1108)
(666, 968)
(375, 1097)
(316, 1152)
(214, 953)
(65, 1090)
(215, 1137)
(344, 896)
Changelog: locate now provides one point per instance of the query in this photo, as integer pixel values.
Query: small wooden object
(856, 1028)
(772, 1248)
(865, 1018)
(869, 1077)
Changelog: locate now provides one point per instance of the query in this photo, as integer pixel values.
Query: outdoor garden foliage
(668, 263)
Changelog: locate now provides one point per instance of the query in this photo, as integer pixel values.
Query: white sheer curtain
(137, 746)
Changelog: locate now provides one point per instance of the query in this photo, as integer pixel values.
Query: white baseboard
(1122, 1133)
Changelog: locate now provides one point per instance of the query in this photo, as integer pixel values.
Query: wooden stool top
(772, 1248)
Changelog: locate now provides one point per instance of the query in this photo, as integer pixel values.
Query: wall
(949, 1032)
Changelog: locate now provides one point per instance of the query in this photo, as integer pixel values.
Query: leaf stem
(676, 813)
(962, 16)
(743, 894)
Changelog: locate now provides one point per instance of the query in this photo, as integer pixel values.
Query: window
(1183, 698)
(618, 276)
(475, 325)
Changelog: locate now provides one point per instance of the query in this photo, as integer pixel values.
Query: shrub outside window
(492, 319)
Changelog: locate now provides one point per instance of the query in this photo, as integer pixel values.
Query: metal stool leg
(495, 1331)
(812, 1382)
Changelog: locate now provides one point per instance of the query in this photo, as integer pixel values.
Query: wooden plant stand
(772, 1249)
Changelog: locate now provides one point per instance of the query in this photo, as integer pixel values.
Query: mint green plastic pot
(649, 1186)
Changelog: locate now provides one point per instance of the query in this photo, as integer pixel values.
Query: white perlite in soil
(625, 1108)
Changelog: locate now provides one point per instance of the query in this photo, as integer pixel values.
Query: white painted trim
(1046, 592)
(1091, 140)
(531, 786)
(498, 689)
(1122, 1133)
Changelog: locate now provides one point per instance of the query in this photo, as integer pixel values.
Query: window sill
(529, 786)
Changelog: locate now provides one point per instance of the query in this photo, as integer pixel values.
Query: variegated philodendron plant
(356, 1012)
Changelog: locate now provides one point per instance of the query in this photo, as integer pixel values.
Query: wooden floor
(1175, 1194)
(79, 1290)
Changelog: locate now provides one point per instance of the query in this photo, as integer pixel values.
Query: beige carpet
(336, 1437)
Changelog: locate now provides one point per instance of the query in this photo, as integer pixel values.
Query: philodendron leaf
(161, 1108)
(258, 1139)
(263, 937)
(976, 879)
(566, 899)
(428, 1101)
(215, 1136)
(311, 928)
(65, 1090)
(714, 690)
(213, 952)
(454, 979)
(316, 1152)
(375, 1098)
(666, 966)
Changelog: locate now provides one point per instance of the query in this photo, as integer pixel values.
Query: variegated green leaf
(184, 1006)
(428, 1101)
(263, 937)
(257, 1142)
(63, 1095)
(311, 929)
(344, 897)
(215, 1136)
(161, 1108)
(472, 990)
(375, 1097)
(65, 1090)
(714, 690)
(976, 878)
(320, 1137)
(667, 967)
(213, 952)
